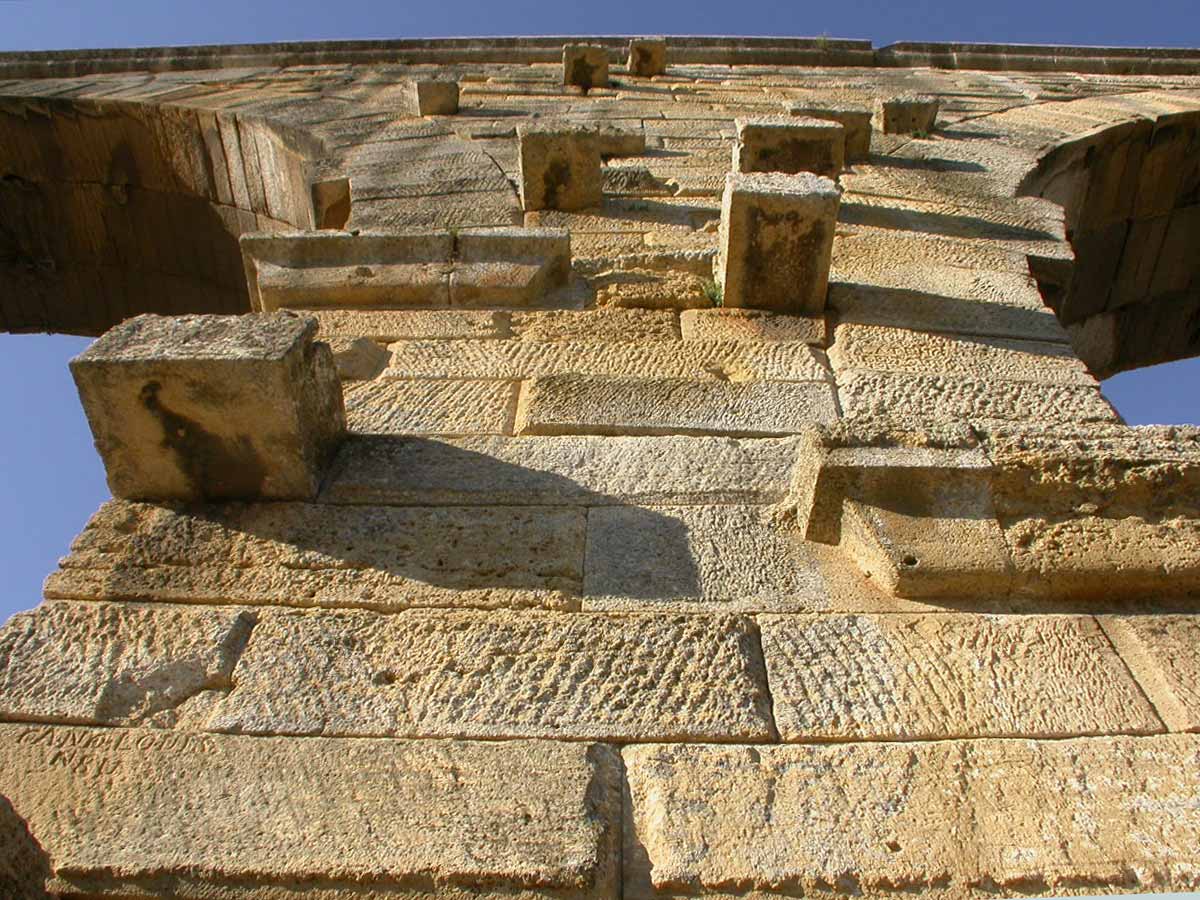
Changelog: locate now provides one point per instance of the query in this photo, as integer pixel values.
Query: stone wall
(600, 480)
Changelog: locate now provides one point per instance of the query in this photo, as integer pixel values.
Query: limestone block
(111, 664)
(358, 359)
(789, 145)
(500, 675)
(776, 241)
(927, 677)
(128, 812)
(296, 554)
(24, 865)
(574, 470)
(331, 203)
(855, 120)
(585, 66)
(728, 360)
(1113, 813)
(647, 57)
(750, 325)
(195, 407)
(509, 266)
(621, 141)
(728, 558)
(580, 404)
(559, 168)
(596, 325)
(433, 98)
(431, 406)
(906, 115)
(387, 326)
(1163, 653)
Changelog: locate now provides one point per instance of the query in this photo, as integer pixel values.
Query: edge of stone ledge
(684, 50)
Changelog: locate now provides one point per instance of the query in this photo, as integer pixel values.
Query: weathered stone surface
(549, 471)
(918, 353)
(647, 57)
(358, 359)
(127, 812)
(585, 66)
(197, 407)
(431, 406)
(918, 677)
(1163, 653)
(864, 393)
(946, 818)
(386, 326)
(24, 866)
(715, 557)
(559, 168)
(433, 98)
(295, 554)
(500, 675)
(730, 360)
(789, 145)
(776, 241)
(596, 325)
(855, 121)
(575, 404)
(110, 664)
(750, 325)
(908, 114)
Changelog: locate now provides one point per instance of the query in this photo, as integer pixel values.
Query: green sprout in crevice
(714, 292)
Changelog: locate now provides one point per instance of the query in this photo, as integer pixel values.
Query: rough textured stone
(110, 664)
(750, 325)
(585, 66)
(212, 406)
(906, 115)
(789, 145)
(559, 168)
(433, 98)
(914, 677)
(297, 554)
(431, 406)
(947, 818)
(1163, 653)
(855, 121)
(502, 675)
(647, 57)
(24, 866)
(594, 325)
(358, 359)
(132, 812)
(386, 326)
(549, 471)
(776, 241)
(574, 404)
(715, 557)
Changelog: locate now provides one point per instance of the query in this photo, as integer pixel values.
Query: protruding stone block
(906, 115)
(433, 98)
(331, 203)
(195, 407)
(789, 145)
(585, 65)
(559, 168)
(776, 241)
(647, 57)
(856, 120)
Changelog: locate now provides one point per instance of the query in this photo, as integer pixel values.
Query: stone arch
(1130, 192)
(113, 207)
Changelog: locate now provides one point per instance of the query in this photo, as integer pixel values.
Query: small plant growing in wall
(714, 292)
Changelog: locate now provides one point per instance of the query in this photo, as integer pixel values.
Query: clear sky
(50, 477)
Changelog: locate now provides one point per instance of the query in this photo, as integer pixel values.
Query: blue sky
(50, 477)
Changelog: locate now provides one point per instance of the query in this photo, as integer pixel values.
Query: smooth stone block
(559, 168)
(906, 115)
(133, 812)
(790, 146)
(856, 120)
(776, 240)
(647, 57)
(196, 407)
(585, 66)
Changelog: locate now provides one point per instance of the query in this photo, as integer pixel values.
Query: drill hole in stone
(909, 561)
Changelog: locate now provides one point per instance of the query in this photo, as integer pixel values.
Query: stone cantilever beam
(212, 407)
(790, 145)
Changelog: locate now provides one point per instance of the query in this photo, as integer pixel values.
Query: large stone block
(907, 114)
(500, 675)
(585, 66)
(1163, 652)
(131, 812)
(777, 241)
(647, 57)
(874, 819)
(559, 168)
(433, 98)
(432, 406)
(790, 146)
(928, 677)
(196, 407)
(856, 120)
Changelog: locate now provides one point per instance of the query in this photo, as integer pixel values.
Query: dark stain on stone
(641, 59)
(582, 74)
(214, 466)
(554, 181)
